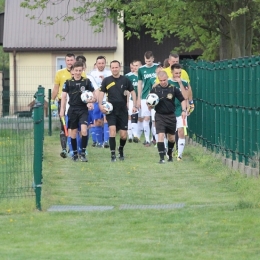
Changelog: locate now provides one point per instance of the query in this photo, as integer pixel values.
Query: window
(60, 63)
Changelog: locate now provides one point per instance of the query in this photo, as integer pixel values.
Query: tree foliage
(220, 28)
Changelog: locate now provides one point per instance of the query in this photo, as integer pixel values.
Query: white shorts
(153, 114)
(144, 109)
(179, 123)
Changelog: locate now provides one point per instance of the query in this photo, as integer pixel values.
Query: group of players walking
(131, 115)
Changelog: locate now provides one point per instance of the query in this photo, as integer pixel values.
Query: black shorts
(77, 116)
(119, 119)
(165, 123)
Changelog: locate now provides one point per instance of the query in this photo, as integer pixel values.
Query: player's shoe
(161, 161)
(146, 144)
(179, 159)
(170, 159)
(136, 139)
(94, 144)
(106, 145)
(130, 140)
(83, 157)
(121, 154)
(63, 154)
(98, 145)
(113, 158)
(75, 158)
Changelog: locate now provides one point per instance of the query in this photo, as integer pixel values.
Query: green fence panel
(227, 98)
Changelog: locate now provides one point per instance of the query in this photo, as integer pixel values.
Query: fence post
(49, 113)
(38, 119)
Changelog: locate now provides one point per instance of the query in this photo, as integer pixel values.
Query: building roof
(24, 34)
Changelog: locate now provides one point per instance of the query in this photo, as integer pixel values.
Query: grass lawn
(220, 218)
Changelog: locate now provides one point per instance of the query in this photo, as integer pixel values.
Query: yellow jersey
(184, 74)
(61, 76)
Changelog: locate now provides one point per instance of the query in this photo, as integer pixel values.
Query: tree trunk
(225, 51)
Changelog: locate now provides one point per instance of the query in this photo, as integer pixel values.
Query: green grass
(220, 219)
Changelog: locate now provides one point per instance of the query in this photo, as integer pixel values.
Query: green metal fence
(21, 145)
(227, 99)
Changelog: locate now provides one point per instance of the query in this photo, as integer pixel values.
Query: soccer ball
(108, 107)
(152, 99)
(86, 96)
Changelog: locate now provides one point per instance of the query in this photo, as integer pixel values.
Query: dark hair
(70, 55)
(100, 58)
(77, 64)
(176, 66)
(174, 55)
(114, 61)
(148, 54)
(166, 63)
(81, 58)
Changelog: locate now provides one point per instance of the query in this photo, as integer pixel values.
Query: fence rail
(227, 99)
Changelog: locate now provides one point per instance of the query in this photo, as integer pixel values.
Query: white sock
(129, 131)
(135, 129)
(146, 131)
(181, 145)
(140, 129)
(154, 130)
(165, 142)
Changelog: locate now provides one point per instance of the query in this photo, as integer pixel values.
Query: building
(36, 52)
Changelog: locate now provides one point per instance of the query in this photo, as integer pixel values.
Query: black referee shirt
(75, 88)
(166, 96)
(116, 89)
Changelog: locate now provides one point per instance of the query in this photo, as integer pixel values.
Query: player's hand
(150, 107)
(134, 110)
(90, 106)
(102, 109)
(62, 113)
(53, 105)
(191, 107)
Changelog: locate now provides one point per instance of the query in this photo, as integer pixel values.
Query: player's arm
(179, 96)
(140, 90)
(135, 108)
(55, 91)
(184, 90)
(63, 103)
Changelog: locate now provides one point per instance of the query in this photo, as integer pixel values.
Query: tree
(220, 28)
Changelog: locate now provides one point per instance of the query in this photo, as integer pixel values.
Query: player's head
(148, 58)
(173, 59)
(163, 78)
(136, 65)
(115, 68)
(77, 69)
(81, 58)
(69, 60)
(131, 67)
(159, 67)
(101, 63)
(166, 63)
(176, 70)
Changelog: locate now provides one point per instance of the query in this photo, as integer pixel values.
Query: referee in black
(116, 88)
(165, 119)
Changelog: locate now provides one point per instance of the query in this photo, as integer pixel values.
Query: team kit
(153, 100)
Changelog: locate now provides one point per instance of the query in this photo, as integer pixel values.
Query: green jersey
(134, 79)
(144, 74)
(178, 108)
